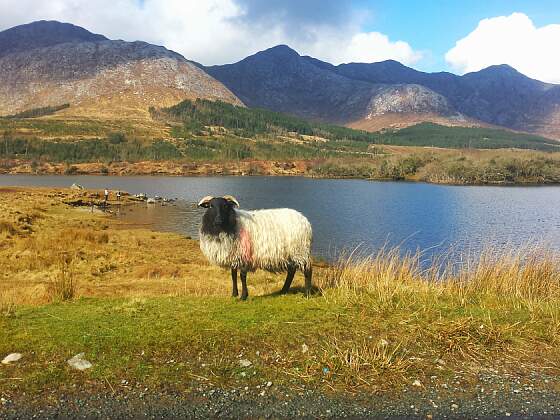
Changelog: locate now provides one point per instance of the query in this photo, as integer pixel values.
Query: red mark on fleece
(246, 246)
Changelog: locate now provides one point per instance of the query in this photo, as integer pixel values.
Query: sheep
(275, 240)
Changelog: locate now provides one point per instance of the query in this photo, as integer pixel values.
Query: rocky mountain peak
(43, 34)
(50, 63)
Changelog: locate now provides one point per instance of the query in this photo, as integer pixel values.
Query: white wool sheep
(274, 240)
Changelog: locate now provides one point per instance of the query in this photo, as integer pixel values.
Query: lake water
(349, 213)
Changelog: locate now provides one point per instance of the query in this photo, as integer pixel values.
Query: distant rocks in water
(77, 187)
(12, 357)
(159, 199)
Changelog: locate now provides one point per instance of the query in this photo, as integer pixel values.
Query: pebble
(78, 362)
(454, 406)
(245, 363)
(12, 357)
(269, 384)
(416, 383)
(304, 348)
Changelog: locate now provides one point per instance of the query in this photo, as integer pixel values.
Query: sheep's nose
(218, 221)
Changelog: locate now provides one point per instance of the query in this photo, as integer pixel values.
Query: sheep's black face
(219, 217)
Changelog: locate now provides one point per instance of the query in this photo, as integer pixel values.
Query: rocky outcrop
(407, 99)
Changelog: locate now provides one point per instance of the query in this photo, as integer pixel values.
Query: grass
(160, 319)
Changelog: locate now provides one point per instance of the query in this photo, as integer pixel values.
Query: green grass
(178, 343)
(114, 333)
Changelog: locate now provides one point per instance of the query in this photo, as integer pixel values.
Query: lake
(352, 213)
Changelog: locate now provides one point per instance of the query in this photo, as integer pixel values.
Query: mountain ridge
(496, 96)
(55, 63)
(49, 63)
(43, 33)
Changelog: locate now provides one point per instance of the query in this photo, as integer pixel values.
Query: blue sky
(430, 35)
(434, 26)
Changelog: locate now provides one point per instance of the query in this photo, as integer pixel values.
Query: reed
(530, 274)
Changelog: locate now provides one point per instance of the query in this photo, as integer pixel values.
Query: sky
(429, 35)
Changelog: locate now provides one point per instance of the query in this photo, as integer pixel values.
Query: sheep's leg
(288, 282)
(244, 291)
(308, 273)
(234, 292)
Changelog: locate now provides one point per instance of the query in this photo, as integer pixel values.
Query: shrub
(116, 138)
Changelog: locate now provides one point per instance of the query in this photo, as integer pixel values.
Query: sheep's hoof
(235, 294)
(244, 297)
(284, 291)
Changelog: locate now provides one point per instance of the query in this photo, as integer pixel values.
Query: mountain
(51, 63)
(47, 64)
(281, 80)
(389, 94)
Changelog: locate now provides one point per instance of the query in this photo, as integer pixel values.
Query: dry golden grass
(530, 274)
(104, 256)
(505, 302)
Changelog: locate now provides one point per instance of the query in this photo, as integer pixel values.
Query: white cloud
(214, 31)
(375, 46)
(512, 40)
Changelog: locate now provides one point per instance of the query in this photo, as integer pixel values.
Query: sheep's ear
(231, 199)
(205, 202)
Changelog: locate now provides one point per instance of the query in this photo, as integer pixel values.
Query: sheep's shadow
(315, 291)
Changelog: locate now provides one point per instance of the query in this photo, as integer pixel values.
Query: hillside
(252, 122)
(43, 34)
(204, 130)
(47, 64)
(389, 94)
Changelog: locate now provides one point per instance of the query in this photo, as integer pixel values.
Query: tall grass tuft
(529, 274)
(63, 286)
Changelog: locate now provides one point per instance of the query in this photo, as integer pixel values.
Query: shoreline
(252, 168)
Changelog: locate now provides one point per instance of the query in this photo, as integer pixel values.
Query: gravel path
(493, 396)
